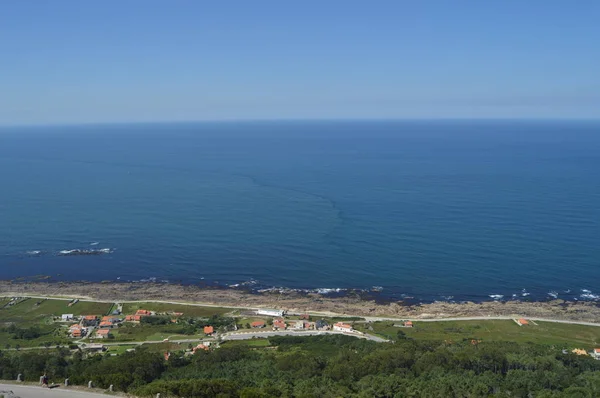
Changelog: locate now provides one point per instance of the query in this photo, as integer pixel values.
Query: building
(408, 324)
(200, 347)
(305, 317)
(112, 319)
(106, 325)
(133, 318)
(103, 333)
(321, 325)
(258, 324)
(269, 312)
(95, 347)
(143, 312)
(77, 330)
(66, 317)
(522, 321)
(595, 353)
(342, 327)
(301, 325)
(208, 330)
(90, 320)
(279, 324)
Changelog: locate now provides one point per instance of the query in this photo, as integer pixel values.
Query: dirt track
(557, 309)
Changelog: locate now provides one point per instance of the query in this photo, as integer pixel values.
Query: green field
(247, 343)
(140, 332)
(188, 310)
(558, 334)
(32, 310)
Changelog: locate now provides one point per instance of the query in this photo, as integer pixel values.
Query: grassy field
(31, 310)
(150, 333)
(188, 310)
(247, 343)
(120, 349)
(558, 334)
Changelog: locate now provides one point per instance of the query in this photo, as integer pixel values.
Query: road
(251, 335)
(27, 391)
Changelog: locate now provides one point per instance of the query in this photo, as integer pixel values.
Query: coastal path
(480, 318)
(29, 391)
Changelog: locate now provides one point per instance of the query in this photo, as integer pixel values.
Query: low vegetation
(326, 366)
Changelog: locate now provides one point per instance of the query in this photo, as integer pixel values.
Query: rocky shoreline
(352, 305)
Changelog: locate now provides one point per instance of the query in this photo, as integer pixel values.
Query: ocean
(428, 210)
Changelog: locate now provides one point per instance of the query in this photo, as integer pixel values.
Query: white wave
(496, 296)
(553, 294)
(327, 290)
(67, 251)
(525, 294)
(590, 296)
(585, 291)
(94, 243)
(34, 252)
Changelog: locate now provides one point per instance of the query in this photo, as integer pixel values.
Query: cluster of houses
(101, 325)
(303, 323)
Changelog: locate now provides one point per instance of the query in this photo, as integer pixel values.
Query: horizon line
(297, 120)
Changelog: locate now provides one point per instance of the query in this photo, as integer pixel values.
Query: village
(105, 327)
(115, 328)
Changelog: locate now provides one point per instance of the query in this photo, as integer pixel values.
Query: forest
(325, 366)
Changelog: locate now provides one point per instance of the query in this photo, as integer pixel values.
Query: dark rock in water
(83, 252)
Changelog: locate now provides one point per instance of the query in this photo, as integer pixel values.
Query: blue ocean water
(425, 209)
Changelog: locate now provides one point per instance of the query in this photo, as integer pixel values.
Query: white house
(595, 353)
(299, 325)
(268, 312)
(342, 327)
(66, 317)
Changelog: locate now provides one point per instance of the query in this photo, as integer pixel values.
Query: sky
(142, 61)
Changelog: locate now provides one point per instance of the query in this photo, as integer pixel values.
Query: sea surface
(433, 210)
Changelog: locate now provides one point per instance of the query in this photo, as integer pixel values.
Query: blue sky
(125, 61)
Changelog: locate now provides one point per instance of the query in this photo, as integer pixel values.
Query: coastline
(349, 305)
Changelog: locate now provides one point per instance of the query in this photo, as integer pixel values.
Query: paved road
(26, 391)
(324, 313)
(250, 335)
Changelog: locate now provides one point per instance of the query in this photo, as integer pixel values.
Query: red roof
(208, 330)
(343, 325)
(597, 350)
(279, 323)
(408, 323)
(106, 324)
(131, 318)
(523, 321)
(103, 332)
(200, 347)
(258, 324)
(90, 317)
(304, 316)
(143, 312)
